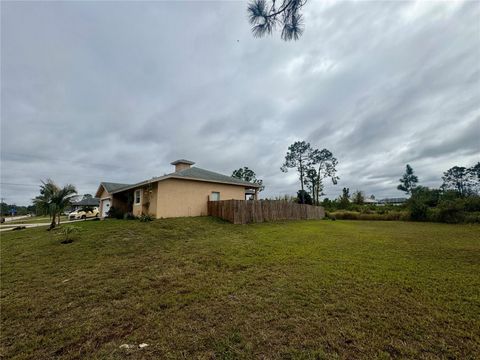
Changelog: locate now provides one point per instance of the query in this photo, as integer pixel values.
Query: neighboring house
(184, 192)
(86, 202)
(392, 201)
(370, 201)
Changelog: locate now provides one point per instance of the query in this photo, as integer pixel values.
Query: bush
(145, 218)
(128, 216)
(66, 233)
(451, 211)
(329, 216)
(418, 210)
(115, 213)
(306, 197)
(353, 215)
(472, 203)
(472, 218)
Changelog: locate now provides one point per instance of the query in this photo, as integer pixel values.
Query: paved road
(13, 218)
(5, 227)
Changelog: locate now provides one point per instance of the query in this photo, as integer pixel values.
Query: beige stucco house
(184, 192)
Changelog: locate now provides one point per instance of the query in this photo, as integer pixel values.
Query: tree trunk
(301, 182)
(313, 190)
(52, 224)
(318, 186)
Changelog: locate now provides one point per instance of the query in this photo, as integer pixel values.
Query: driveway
(7, 227)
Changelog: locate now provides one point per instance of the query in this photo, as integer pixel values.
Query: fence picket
(251, 211)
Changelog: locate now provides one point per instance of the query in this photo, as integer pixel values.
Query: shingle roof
(87, 202)
(110, 187)
(193, 173)
(202, 174)
(392, 200)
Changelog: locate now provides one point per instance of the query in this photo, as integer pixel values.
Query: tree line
(463, 180)
(313, 166)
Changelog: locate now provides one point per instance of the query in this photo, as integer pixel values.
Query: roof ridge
(230, 178)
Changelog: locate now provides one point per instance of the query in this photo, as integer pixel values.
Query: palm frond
(52, 198)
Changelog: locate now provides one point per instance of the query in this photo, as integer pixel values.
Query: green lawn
(202, 288)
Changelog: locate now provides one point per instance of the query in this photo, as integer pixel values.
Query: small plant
(145, 218)
(66, 233)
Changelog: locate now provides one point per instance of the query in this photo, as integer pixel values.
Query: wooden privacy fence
(251, 211)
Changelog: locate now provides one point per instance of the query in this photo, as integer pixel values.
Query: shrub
(451, 211)
(306, 197)
(128, 216)
(329, 216)
(145, 218)
(418, 210)
(473, 217)
(115, 213)
(472, 203)
(353, 215)
(66, 232)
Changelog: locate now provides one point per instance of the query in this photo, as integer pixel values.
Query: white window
(215, 196)
(138, 195)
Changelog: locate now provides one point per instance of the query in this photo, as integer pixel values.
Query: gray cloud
(96, 91)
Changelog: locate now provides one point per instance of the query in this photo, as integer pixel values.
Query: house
(184, 192)
(392, 201)
(86, 202)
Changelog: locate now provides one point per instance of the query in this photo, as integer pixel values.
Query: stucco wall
(176, 197)
(148, 201)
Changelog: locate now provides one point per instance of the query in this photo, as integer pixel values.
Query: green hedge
(355, 215)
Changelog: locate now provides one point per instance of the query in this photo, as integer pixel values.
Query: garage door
(105, 207)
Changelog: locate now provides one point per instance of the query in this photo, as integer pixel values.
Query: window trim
(215, 192)
(139, 197)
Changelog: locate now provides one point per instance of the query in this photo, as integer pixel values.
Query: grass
(202, 288)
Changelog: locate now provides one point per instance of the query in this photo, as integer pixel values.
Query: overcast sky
(115, 91)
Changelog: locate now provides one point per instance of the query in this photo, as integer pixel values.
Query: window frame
(139, 191)
(215, 192)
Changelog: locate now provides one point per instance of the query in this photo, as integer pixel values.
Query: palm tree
(53, 199)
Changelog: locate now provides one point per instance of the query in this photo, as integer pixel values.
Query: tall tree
(249, 175)
(304, 197)
(265, 16)
(299, 156)
(326, 165)
(409, 181)
(474, 173)
(344, 200)
(311, 182)
(462, 179)
(358, 197)
(54, 199)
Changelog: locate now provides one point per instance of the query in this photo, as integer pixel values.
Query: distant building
(85, 202)
(392, 201)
